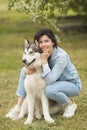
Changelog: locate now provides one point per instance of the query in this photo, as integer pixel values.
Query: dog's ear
(26, 43)
(36, 43)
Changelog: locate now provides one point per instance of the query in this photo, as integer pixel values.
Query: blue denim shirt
(60, 68)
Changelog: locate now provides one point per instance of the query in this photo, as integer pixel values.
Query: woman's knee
(48, 91)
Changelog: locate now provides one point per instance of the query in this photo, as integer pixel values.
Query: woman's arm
(51, 75)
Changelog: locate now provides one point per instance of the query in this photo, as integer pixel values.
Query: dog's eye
(31, 52)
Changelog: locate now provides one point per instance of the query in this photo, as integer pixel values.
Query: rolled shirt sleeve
(51, 75)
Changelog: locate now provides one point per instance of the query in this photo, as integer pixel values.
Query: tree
(42, 11)
(79, 6)
(47, 11)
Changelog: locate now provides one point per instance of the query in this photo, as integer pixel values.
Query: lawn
(14, 27)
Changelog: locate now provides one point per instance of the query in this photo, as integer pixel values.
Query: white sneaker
(70, 110)
(13, 113)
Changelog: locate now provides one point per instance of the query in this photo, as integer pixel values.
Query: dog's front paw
(16, 118)
(27, 122)
(48, 119)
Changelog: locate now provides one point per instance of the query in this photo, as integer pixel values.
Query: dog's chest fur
(34, 83)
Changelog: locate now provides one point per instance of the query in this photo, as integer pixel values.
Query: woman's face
(46, 44)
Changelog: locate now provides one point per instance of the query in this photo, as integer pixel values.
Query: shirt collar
(55, 52)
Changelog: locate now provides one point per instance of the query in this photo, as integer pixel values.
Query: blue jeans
(60, 91)
(21, 90)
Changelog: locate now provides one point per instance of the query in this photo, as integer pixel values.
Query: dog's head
(31, 54)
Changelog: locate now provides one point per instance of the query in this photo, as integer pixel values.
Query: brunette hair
(47, 32)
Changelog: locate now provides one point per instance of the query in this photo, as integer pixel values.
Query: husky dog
(36, 103)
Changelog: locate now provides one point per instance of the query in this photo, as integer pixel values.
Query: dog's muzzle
(25, 62)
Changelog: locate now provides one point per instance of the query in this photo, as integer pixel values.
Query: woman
(60, 75)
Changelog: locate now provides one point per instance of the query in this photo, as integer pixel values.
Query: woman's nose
(43, 43)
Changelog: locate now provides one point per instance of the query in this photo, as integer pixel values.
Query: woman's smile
(46, 45)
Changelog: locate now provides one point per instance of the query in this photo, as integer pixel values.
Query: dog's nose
(24, 61)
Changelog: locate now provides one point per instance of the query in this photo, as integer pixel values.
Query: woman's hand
(44, 57)
(29, 71)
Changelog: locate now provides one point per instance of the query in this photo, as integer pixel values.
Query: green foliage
(47, 11)
(79, 6)
(42, 11)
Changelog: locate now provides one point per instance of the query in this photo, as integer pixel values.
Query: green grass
(14, 27)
